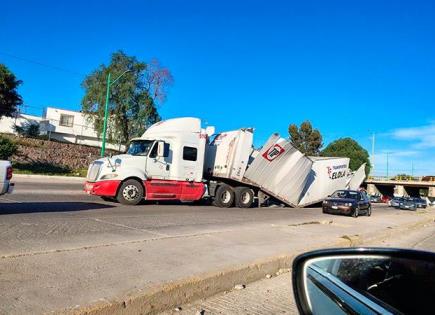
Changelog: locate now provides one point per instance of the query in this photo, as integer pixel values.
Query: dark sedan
(408, 204)
(349, 202)
(420, 202)
(395, 202)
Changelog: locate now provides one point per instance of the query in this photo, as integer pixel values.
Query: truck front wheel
(224, 197)
(130, 193)
(244, 197)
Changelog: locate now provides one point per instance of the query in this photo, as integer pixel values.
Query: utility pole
(106, 109)
(387, 164)
(373, 154)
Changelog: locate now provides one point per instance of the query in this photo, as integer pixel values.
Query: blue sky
(350, 67)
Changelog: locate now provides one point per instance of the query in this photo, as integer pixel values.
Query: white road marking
(131, 227)
(18, 191)
(9, 200)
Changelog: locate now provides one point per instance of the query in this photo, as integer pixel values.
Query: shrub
(7, 148)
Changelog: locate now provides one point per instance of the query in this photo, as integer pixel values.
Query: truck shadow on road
(35, 207)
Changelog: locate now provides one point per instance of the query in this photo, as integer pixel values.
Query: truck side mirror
(160, 149)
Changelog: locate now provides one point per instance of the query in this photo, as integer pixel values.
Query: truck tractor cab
(166, 163)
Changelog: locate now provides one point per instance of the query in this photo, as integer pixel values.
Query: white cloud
(424, 136)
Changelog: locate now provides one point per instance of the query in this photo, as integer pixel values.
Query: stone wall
(72, 156)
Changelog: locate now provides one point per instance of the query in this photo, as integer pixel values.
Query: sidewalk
(275, 295)
(159, 272)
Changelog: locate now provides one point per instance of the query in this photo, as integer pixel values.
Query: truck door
(159, 167)
(190, 164)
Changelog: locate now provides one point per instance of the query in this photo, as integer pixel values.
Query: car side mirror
(364, 281)
(160, 148)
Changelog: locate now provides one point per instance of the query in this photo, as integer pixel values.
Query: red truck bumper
(106, 188)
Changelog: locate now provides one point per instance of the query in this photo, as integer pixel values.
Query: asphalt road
(44, 215)
(60, 248)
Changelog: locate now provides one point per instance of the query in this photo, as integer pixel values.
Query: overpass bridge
(401, 186)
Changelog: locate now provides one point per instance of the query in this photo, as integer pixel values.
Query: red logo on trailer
(273, 152)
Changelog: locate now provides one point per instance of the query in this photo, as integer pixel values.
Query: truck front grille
(94, 171)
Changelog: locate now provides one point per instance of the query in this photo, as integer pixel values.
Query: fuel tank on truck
(227, 156)
(328, 174)
(280, 170)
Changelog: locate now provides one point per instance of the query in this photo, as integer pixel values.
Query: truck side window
(153, 153)
(166, 150)
(189, 153)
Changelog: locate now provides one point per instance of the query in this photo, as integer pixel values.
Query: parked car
(5, 177)
(395, 202)
(375, 198)
(420, 202)
(408, 204)
(348, 202)
(386, 199)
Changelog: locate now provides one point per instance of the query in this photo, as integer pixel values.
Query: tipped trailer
(177, 159)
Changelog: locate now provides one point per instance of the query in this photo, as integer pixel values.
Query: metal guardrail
(402, 178)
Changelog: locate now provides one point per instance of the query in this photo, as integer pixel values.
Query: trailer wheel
(224, 196)
(244, 197)
(130, 193)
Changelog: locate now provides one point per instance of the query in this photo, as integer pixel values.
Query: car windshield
(140, 147)
(347, 194)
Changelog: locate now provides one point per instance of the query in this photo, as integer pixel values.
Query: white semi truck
(177, 159)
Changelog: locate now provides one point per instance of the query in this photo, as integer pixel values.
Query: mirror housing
(364, 281)
(160, 148)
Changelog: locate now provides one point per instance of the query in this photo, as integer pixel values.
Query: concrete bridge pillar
(431, 192)
(372, 189)
(399, 190)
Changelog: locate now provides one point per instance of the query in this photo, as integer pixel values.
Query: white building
(7, 123)
(60, 124)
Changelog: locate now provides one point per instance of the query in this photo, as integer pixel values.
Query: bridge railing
(403, 178)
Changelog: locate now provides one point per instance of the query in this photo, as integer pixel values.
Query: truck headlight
(348, 204)
(109, 176)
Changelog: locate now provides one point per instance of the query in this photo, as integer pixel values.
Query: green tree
(305, 138)
(9, 97)
(7, 148)
(347, 147)
(133, 99)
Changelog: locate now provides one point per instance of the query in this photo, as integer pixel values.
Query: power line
(42, 64)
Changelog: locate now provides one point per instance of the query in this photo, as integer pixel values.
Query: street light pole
(106, 109)
(373, 155)
(106, 113)
(387, 163)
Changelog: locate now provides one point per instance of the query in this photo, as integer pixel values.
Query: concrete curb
(176, 293)
(45, 177)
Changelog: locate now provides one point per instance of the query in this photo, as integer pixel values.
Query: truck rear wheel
(244, 197)
(131, 192)
(224, 197)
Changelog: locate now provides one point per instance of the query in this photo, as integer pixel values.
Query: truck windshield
(140, 147)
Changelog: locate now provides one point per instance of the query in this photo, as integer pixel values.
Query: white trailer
(176, 159)
(327, 175)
